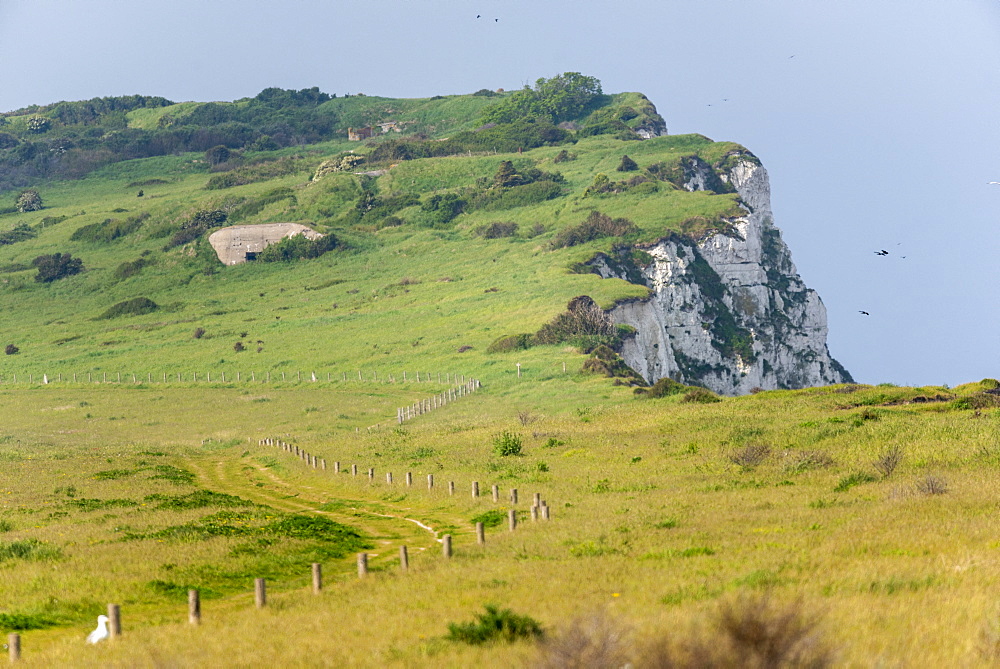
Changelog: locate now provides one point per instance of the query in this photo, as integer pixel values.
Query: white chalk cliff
(728, 312)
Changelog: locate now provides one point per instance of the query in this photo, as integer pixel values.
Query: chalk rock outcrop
(239, 243)
(728, 312)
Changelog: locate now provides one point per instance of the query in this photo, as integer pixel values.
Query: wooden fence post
(362, 564)
(409, 479)
(451, 487)
(430, 481)
(537, 501)
(336, 467)
(512, 519)
(480, 533)
(545, 512)
(14, 647)
(371, 473)
(513, 495)
(388, 478)
(475, 489)
(260, 593)
(114, 621)
(354, 470)
(317, 574)
(404, 559)
(496, 493)
(194, 607)
(446, 545)
(534, 513)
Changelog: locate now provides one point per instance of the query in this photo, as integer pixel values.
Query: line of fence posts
(538, 509)
(437, 401)
(45, 378)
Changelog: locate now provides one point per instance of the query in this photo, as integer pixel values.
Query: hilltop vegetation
(447, 235)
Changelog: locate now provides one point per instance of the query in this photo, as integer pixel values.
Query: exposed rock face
(729, 312)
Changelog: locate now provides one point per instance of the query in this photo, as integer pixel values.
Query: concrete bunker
(240, 243)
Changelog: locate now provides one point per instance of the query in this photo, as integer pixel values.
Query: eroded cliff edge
(728, 312)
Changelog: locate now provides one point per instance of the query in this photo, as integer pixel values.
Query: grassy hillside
(852, 523)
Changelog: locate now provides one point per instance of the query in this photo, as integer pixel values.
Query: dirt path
(235, 476)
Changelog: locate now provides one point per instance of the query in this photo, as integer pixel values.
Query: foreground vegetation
(855, 514)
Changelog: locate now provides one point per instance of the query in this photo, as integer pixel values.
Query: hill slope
(441, 246)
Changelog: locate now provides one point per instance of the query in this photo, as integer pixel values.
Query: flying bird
(478, 15)
(101, 633)
(883, 252)
(995, 183)
(497, 20)
(864, 312)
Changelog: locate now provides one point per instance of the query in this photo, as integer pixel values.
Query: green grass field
(660, 510)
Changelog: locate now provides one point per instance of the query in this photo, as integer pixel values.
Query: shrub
(496, 625)
(39, 124)
(56, 266)
(582, 318)
(590, 641)
(748, 633)
(750, 455)
(851, 480)
(596, 226)
(627, 165)
(805, 460)
(10, 349)
(298, 247)
(662, 388)
(239, 347)
(491, 518)
(137, 306)
(932, 485)
(507, 343)
(198, 333)
(253, 173)
(564, 156)
(218, 155)
(887, 462)
(130, 268)
(19, 233)
(701, 396)
(507, 443)
(28, 200)
(497, 230)
(109, 230)
(606, 362)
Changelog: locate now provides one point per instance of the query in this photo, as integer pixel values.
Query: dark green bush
(700, 396)
(507, 443)
(19, 233)
(561, 98)
(662, 388)
(440, 209)
(491, 518)
(582, 318)
(627, 165)
(109, 230)
(604, 361)
(56, 266)
(596, 226)
(496, 625)
(517, 196)
(298, 247)
(497, 230)
(137, 306)
(130, 268)
(509, 343)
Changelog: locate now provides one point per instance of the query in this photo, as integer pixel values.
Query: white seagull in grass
(101, 632)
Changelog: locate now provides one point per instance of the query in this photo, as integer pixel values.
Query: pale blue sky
(877, 120)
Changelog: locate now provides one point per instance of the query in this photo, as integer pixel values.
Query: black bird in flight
(883, 252)
(478, 15)
(497, 20)
(864, 312)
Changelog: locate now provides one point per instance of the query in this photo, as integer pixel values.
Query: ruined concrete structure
(240, 243)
